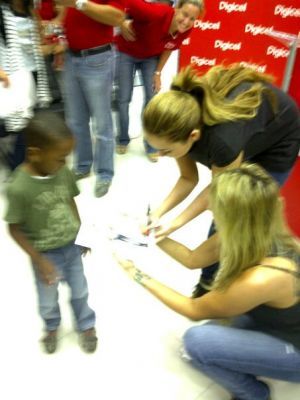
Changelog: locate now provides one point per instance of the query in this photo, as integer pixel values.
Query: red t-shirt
(46, 9)
(83, 32)
(151, 23)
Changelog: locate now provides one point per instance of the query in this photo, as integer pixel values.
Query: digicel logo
(277, 52)
(207, 25)
(255, 67)
(257, 29)
(232, 7)
(224, 46)
(200, 61)
(286, 11)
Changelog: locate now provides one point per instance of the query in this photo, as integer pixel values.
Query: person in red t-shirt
(88, 84)
(153, 31)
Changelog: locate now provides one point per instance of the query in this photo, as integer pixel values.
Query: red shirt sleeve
(141, 10)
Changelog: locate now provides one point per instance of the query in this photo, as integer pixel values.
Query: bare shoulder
(273, 277)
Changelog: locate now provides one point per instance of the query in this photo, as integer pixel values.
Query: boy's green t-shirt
(42, 208)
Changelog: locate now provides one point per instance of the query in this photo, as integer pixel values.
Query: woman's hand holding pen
(155, 228)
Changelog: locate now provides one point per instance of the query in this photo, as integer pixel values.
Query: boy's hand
(46, 271)
(84, 250)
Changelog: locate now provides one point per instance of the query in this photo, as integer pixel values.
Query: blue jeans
(67, 261)
(234, 357)
(88, 85)
(127, 66)
(209, 272)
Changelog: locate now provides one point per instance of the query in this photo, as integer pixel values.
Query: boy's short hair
(45, 129)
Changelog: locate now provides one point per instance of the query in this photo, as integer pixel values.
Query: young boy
(43, 219)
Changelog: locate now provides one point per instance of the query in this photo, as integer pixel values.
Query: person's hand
(4, 78)
(162, 231)
(156, 82)
(127, 265)
(47, 49)
(150, 225)
(59, 48)
(85, 250)
(46, 271)
(158, 230)
(127, 31)
(134, 273)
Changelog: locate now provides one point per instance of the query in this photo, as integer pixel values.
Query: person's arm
(243, 295)
(45, 268)
(184, 186)
(59, 19)
(204, 255)
(75, 210)
(144, 12)
(163, 58)
(4, 78)
(199, 204)
(105, 14)
(84, 249)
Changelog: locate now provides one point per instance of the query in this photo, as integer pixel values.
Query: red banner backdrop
(240, 31)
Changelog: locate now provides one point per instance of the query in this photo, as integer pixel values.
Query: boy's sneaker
(153, 157)
(50, 342)
(121, 149)
(102, 188)
(81, 175)
(88, 340)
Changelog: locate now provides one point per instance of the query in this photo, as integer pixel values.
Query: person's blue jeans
(68, 263)
(234, 357)
(88, 85)
(208, 273)
(127, 66)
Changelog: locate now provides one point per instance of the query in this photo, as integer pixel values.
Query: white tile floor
(139, 348)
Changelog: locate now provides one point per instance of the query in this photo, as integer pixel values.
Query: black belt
(90, 52)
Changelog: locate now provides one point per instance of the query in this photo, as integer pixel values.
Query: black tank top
(283, 323)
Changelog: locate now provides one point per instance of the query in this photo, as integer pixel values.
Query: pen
(149, 220)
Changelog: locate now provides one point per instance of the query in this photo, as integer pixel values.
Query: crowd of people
(231, 119)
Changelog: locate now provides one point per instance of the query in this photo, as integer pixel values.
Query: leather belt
(90, 52)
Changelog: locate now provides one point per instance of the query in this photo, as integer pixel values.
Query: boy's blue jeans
(67, 260)
(234, 357)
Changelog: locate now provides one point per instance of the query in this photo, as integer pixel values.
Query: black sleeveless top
(283, 323)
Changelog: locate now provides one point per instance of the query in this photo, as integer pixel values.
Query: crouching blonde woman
(220, 119)
(257, 285)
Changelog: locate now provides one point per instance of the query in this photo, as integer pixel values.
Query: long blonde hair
(196, 100)
(249, 218)
(196, 3)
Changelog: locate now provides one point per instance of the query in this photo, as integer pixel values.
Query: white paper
(19, 96)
